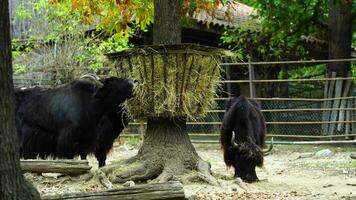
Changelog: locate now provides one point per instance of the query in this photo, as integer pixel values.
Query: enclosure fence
(296, 108)
(300, 113)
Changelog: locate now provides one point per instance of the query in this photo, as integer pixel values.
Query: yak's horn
(233, 143)
(94, 78)
(267, 151)
(91, 76)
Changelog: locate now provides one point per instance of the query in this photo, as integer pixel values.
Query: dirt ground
(290, 172)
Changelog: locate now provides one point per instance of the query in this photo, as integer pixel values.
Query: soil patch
(290, 172)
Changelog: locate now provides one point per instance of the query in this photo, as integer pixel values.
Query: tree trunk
(167, 152)
(12, 183)
(340, 36)
(167, 16)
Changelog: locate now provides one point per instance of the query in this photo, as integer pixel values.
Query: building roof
(232, 15)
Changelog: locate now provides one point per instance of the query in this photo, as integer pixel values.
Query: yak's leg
(67, 144)
(101, 157)
(83, 156)
(104, 144)
(27, 148)
(35, 141)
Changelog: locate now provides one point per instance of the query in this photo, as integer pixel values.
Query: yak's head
(113, 91)
(246, 156)
(118, 89)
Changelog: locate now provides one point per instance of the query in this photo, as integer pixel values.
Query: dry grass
(49, 64)
(172, 82)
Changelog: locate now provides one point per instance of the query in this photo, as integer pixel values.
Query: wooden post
(142, 130)
(168, 191)
(327, 104)
(68, 167)
(324, 127)
(348, 118)
(343, 103)
(336, 104)
(251, 77)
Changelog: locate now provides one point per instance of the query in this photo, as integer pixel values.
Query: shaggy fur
(62, 122)
(243, 116)
(108, 129)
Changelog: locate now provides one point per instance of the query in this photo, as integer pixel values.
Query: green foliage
(23, 13)
(306, 89)
(307, 72)
(354, 36)
(123, 17)
(61, 41)
(247, 2)
(133, 140)
(283, 24)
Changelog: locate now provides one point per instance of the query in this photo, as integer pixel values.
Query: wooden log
(353, 155)
(329, 90)
(169, 191)
(336, 104)
(68, 167)
(343, 103)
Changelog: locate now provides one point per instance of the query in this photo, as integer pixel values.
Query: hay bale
(175, 80)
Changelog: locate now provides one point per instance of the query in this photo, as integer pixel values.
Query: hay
(175, 80)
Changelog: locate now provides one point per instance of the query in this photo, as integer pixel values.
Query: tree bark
(167, 191)
(68, 167)
(340, 36)
(166, 154)
(167, 22)
(12, 183)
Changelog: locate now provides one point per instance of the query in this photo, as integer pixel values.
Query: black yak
(108, 129)
(62, 122)
(22, 95)
(242, 137)
(25, 135)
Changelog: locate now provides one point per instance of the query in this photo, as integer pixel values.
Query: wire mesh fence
(294, 107)
(304, 108)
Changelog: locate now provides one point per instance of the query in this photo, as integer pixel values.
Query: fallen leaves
(249, 195)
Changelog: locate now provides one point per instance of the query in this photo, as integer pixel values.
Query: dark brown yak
(242, 137)
(65, 121)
